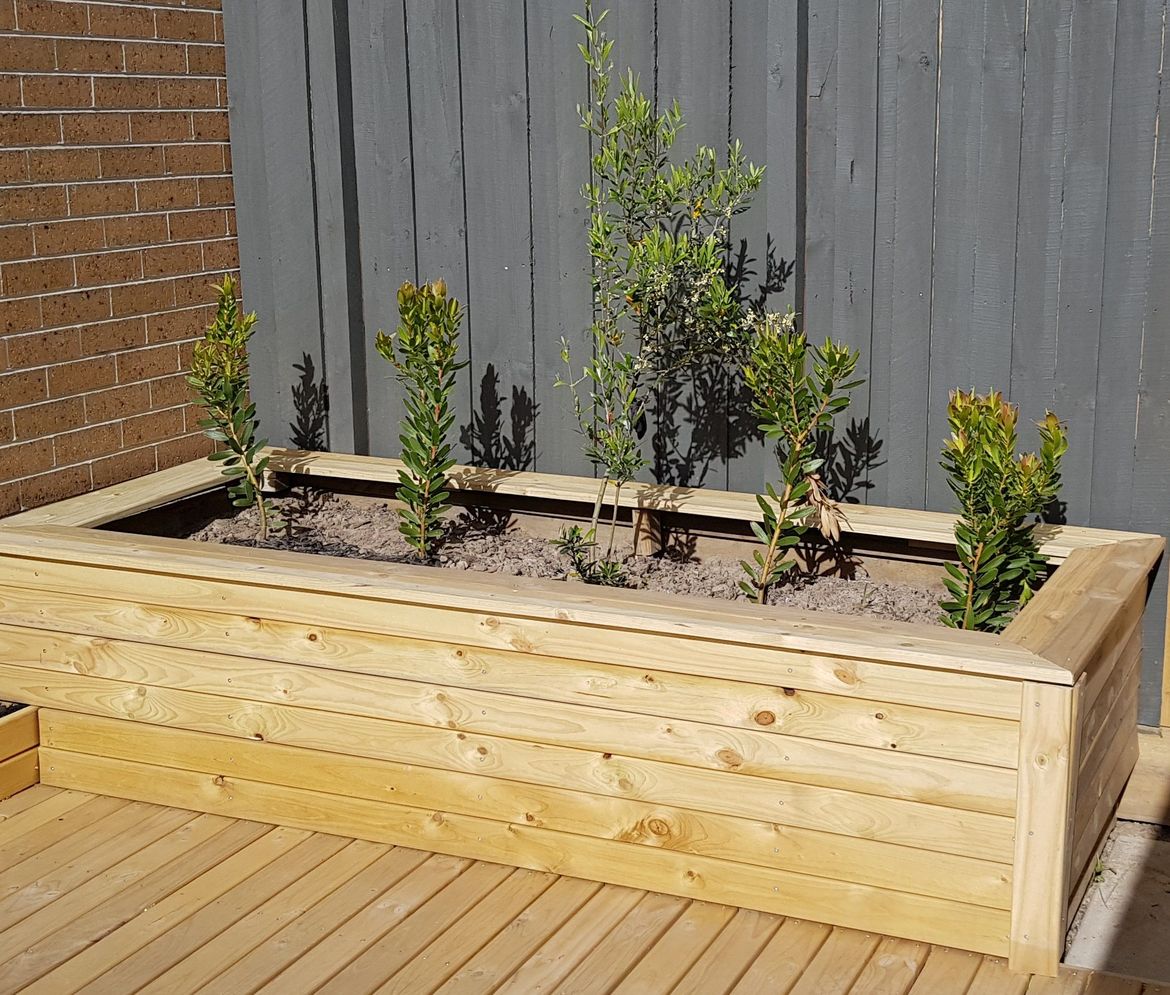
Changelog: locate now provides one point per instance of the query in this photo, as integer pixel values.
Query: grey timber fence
(973, 192)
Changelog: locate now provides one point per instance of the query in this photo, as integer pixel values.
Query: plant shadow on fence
(310, 398)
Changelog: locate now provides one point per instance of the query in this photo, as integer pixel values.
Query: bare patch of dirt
(331, 525)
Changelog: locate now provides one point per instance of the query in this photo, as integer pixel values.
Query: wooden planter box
(944, 786)
(19, 740)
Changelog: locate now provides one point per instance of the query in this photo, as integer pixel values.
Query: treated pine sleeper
(835, 741)
(20, 771)
(869, 816)
(765, 844)
(533, 616)
(18, 731)
(688, 875)
(751, 684)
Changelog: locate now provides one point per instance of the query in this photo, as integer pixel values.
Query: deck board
(102, 895)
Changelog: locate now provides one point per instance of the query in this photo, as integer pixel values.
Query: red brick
(9, 90)
(13, 166)
(146, 364)
(194, 290)
(101, 198)
(188, 93)
(206, 60)
(19, 314)
(142, 298)
(210, 127)
(215, 190)
(68, 379)
(171, 260)
(57, 91)
(155, 57)
(90, 56)
(7, 15)
(190, 225)
(125, 91)
(87, 443)
(132, 162)
(119, 402)
(36, 55)
(113, 336)
(30, 129)
(153, 427)
(170, 392)
(43, 348)
(49, 17)
(124, 466)
(120, 22)
(189, 160)
(7, 431)
(160, 127)
(38, 276)
(55, 165)
(76, 308)
(16, 242)
(221, 255)
(136, 229)
(49, 418)
(56, 486)
(185, 25)
(183, 450)
(108, 267)
(25, 459)
(27, 387)
(168, 194)
(95, 128)
(55, 238)
(172, 326)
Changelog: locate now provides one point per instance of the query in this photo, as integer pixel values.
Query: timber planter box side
(19, 758)
(944, 786)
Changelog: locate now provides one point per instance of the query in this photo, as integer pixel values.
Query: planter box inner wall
(944, 786)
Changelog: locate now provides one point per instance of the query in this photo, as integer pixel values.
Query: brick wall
(116, 215)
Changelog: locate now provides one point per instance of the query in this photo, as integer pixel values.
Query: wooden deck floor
(103, 895)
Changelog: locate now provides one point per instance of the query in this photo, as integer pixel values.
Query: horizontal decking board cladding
(872, 742)
(546, 617)
(1104, 716)
(808, 806)
(1057, 541)
(688, 875)
(19, 771)
(767, 845)
(750, 681)
(19, 759)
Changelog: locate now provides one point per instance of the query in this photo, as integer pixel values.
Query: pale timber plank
(157, 919)
(892, 820)
(1147, 796)
(190, 857)
(18, 732)
(392, 907)
(664, 964)
(768, 743)
(946, 970)
(21, 839)
(560, 954)
(1112, 984)
(195, 971)
(377, 961)
(748, 841)
(1106, 790)
(850, 905)
(45, 806)
(782, 962)
(622, 947)
(513, 945)
(837, 964)
(892, 968)
(26, 799)
(264, 962)
(125, 499)
(995, 978)
(1047, 779)
(195, 931)
(460, 941)
(546, 613)
(19, 772)
(734, 950)
(924, 526)
(753, 682)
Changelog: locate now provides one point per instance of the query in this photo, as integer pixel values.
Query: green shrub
(423, 353)
(1000, 494)
(657, 238)
(794, 401)
(220, 376)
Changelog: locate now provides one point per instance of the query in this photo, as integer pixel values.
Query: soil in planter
(8, 707)
(336, 526)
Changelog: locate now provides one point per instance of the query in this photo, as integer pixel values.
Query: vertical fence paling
(968, 194)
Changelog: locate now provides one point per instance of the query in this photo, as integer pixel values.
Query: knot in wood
(765, 718)
(658, 827)
(491, 622)
(789, 692)
(845, 677)
(729, 758)
(312, 637)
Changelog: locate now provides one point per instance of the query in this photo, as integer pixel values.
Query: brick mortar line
(149, 178)
(110, 250)
(90, 462)
(177, 343)
(211, 42)
(91, 425)
(40, 296)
